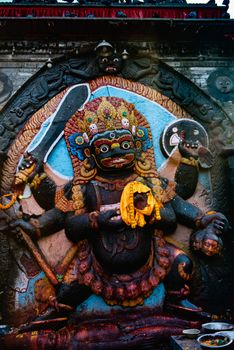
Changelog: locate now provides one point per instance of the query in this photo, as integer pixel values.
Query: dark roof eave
(57, 28)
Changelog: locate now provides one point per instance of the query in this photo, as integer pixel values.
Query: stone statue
(117, 211)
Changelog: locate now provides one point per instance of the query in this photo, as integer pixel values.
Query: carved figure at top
(117, 211)
(220, 84)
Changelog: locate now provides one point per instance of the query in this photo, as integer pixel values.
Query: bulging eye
(196, 132)
(125, 145)
(104, 148)
(104, 60)
(115, 60)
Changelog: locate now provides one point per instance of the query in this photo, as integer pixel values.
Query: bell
(125, 54)
(104, 49)
(49, 63)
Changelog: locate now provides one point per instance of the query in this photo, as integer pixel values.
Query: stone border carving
(149, 71)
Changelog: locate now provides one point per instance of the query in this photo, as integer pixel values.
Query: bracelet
(191, 161)
(12, 201)
(93, 219)
(198, 220)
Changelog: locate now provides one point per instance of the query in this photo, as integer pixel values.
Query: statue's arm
(191, 216)
(49, 222)
(186, 213)
(78, 227)
(37, 227)
(84, 226)
(44, 193)
(186, 177)
(168, 220)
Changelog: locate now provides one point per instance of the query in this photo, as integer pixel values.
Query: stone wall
(202, 69)
(211, 69)
(204, 72)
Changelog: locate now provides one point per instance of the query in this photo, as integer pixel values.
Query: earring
(88, 169)
(142, 165)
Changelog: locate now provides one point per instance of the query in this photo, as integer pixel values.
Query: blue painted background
(157, 116)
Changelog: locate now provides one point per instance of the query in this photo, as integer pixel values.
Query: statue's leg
(177, 281)
(72, 294)
(68, 296)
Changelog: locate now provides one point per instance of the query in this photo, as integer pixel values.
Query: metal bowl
(217, 326)
(191, 332)
(228, 333)
(4, 329)
(214, 338)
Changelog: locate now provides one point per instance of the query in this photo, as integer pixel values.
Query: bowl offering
(214, 341)
(4, 329)
(228, 333)
(217, 326)
(191, 333)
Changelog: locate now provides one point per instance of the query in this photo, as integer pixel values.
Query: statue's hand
(205, 157)
(26, 226)
(64, 68)
(196, 151)
(154, 68)
(188, 149)
(219, 222)
(110, 219)
(29, 172)
(26, 170)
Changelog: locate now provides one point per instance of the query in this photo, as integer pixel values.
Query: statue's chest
(102, 198)
(117, 242)
(115, 247)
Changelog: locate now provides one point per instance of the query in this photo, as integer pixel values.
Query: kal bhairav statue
(117, 211)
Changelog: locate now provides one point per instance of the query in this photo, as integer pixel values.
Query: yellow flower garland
(133, 216)
(12, 201)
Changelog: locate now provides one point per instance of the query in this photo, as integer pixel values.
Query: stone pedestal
(180, 342)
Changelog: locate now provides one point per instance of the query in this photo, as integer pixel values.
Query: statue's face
(113, 149)
(224, 84)
(111, 64)
(210, 247)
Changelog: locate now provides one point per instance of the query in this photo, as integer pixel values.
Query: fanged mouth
(117, 161)
(110, 69)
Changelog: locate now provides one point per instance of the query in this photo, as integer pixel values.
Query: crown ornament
(107, 114)
(98, 116)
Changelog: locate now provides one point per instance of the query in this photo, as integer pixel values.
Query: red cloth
(108, 12)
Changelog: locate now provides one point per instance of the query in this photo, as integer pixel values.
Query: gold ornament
(186, 276)
(86, 171)
(77, 198)
(22, 176)
(143, 165)
(61, 202)
(191, 161)
(37, 180)
(90, 118)
(107, 113)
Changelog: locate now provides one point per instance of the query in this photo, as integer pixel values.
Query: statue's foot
(125, 330)
(49, 319)
(184, 308)
(188, 305)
